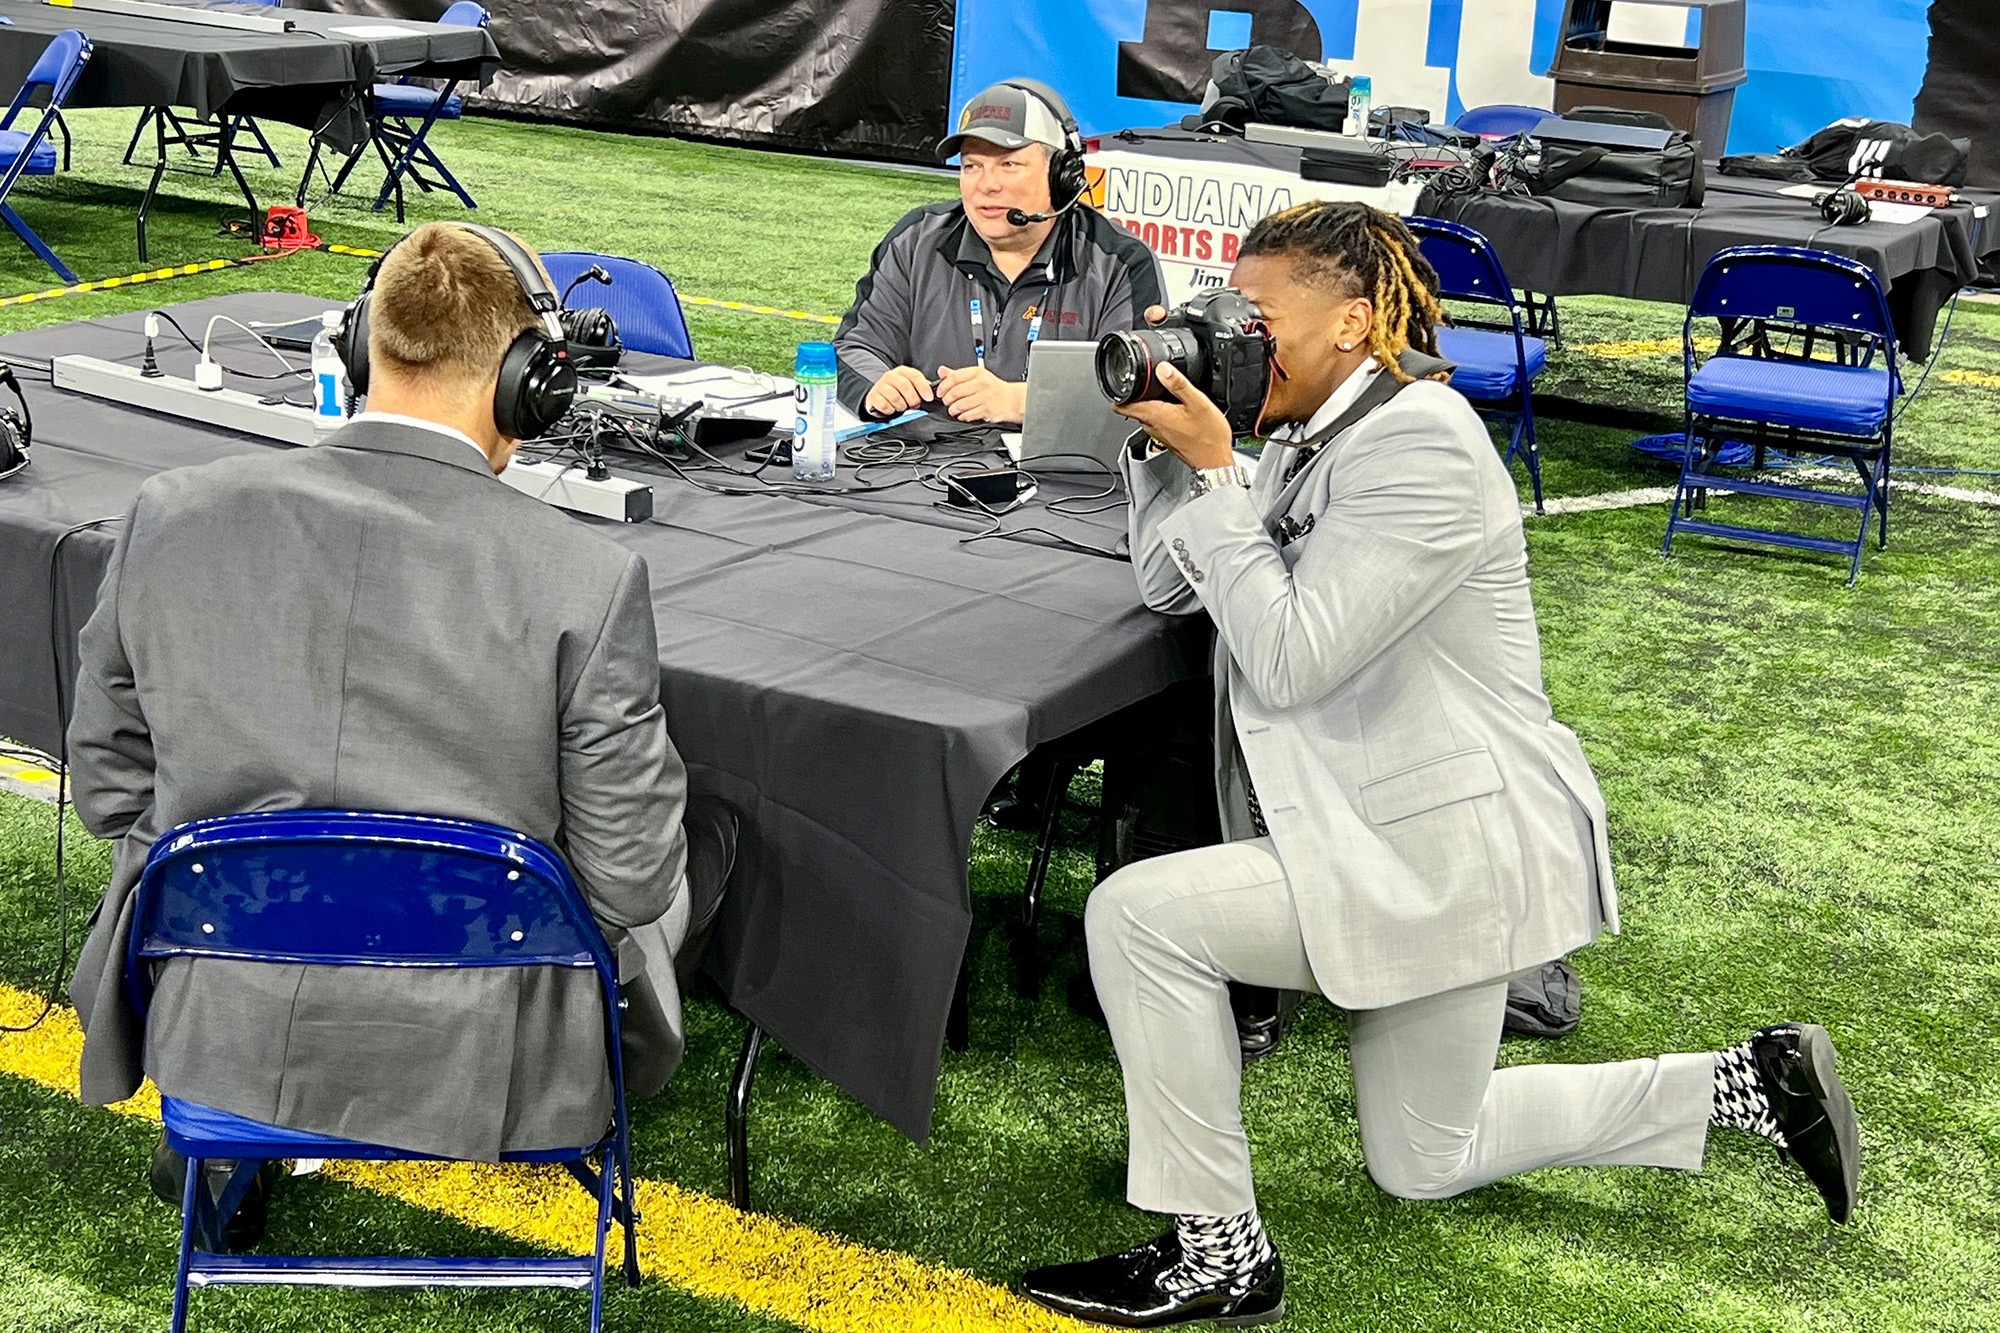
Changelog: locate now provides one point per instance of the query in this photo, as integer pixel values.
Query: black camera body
(1218, 340)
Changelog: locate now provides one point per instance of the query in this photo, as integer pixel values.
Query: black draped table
(315, 76)
(1557, 248)
(855, 682)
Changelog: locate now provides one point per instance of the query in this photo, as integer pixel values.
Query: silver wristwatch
(1208, 479)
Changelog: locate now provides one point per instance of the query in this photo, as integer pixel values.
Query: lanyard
(976, 308)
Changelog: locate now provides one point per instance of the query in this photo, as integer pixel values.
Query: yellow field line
(1978, 377)
(687, 1238)
(1631, 347)
(31, 779)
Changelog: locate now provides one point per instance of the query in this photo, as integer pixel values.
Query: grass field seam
(692, 1240)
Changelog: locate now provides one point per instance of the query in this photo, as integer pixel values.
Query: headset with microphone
(1066, 178)
(537, 376)
(17, 429)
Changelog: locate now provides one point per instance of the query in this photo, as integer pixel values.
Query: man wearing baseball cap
(957, 292)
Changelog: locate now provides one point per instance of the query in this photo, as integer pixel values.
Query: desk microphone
(595, 273)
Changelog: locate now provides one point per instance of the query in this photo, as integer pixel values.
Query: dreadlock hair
(1353, 250)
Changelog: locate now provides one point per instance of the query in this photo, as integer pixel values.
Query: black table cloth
(854, 682)
(304, 77)
(1656, 254)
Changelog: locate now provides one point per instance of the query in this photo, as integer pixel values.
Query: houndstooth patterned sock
(1740, 1102)
(1217, 1251)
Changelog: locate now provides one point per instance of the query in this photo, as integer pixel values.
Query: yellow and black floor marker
(128, 280)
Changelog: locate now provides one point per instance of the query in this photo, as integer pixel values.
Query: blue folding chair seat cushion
(1488, 365)
(194, 1130)
(1810, 395)
(414, 100)
(41, 161)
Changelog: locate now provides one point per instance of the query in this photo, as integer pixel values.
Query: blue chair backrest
(362, 889)
(641, 298)
(1467, 265)
(1785, 284)
(465, 14)
(56, 69)
(1501, 119)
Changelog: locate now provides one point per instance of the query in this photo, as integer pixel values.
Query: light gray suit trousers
(1433, 830)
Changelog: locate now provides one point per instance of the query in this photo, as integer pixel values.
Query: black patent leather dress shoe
(1795, 1063)
(245, 1227)
(1123, 1291)
(1263, 1016)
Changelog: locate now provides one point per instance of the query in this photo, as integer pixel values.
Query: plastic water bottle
(815, 373)
(329, 378)
(1360, 92)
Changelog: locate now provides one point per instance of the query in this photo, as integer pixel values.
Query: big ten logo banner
(1193, 214)
(1126, 63)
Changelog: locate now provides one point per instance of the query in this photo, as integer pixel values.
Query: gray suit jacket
(379, 623)
(1381, 675)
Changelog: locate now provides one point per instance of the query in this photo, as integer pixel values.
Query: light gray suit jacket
(1381, 675)
(379, 624)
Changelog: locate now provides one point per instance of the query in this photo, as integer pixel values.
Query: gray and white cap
(1011, 116)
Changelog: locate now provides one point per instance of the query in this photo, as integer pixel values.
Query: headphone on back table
(1066, 178)
(537, 374)
(17, 429)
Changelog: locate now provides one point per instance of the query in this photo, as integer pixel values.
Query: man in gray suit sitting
(1409, 825)
(378, 623)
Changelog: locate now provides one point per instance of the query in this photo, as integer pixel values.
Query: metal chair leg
(958, 1020)
(1027, 959)
(739, 1117)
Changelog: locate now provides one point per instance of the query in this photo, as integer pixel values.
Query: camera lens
(1128, 363)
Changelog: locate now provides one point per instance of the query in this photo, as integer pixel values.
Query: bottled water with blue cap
(813, 443)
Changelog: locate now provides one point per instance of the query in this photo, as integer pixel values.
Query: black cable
(62, 774)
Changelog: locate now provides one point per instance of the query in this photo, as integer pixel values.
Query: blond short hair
(446, 306)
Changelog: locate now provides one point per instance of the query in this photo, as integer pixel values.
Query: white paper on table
(374, 31)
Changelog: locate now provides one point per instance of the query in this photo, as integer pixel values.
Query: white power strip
(565, 486)
(232, 409)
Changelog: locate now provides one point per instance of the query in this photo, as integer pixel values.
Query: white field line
(1651, 495)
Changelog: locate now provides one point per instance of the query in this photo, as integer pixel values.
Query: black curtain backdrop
(1961, 93)
(862, 77)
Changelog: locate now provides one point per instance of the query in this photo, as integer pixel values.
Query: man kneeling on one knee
(1409, 826)
(378, 623)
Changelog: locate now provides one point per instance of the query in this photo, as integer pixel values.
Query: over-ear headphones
(1066, 178)
(17, 429)
(537, 375)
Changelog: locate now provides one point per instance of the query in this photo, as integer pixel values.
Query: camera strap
(977, 311)
(1384, 387)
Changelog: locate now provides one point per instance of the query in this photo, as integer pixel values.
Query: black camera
(1218, 340)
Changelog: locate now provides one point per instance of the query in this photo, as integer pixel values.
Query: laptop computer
(1068, 425)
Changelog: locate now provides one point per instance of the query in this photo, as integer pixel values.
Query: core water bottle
(813, 445)
(329, 378)
(1360, 92)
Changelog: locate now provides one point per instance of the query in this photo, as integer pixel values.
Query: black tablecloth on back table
(303, 77)
(1655, 254)
(854, 682)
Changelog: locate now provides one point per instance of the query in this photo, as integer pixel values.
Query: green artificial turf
(1802, 779)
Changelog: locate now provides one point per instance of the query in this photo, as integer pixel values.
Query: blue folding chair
(30, 153)
(400, 116)
(641, 298)
(1501, 120)
(357, 889)
(1778, 305)
(1497, 362)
